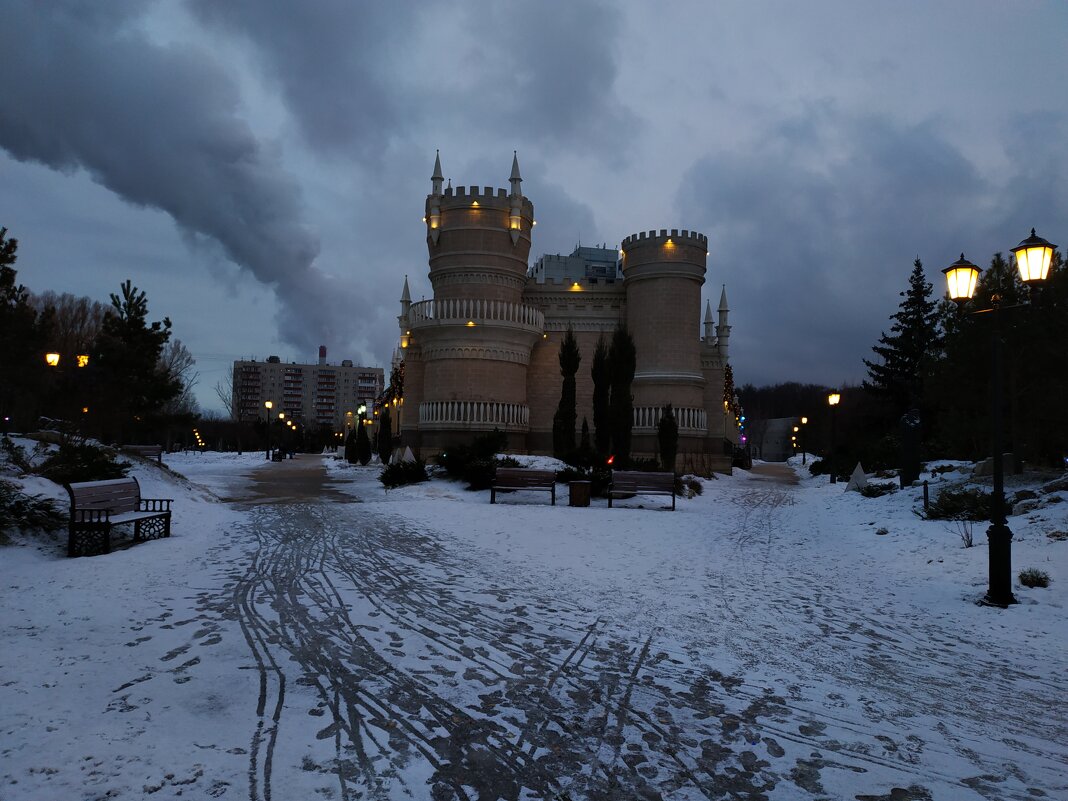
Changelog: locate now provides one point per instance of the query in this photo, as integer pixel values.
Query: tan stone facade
(482, 354)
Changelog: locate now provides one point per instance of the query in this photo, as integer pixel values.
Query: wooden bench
(520, 478)
(97, 506)
(633, 482)
(148, 451)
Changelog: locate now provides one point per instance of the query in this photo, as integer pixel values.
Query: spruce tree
(908, 352)
(621, 360)
(565, 417)
(667, 434)
(602, 377)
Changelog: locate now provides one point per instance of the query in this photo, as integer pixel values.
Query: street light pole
(268, 405)
(833, 399)
(1034, 256)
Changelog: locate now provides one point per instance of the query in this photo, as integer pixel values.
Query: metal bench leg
(493, 494)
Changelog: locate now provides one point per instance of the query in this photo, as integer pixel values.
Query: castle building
(319, 394)
(483, 352)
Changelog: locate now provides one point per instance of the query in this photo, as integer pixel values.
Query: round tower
(474, 337)
(663, 273)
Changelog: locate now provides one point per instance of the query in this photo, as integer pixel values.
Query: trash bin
(579, 493)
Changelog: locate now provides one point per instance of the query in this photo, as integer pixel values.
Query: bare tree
(75, 321)
(224, 389)
(178, 362)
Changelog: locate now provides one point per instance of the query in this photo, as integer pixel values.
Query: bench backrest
(117, 494)
(144, 450)
(636, 480)
(522, 477)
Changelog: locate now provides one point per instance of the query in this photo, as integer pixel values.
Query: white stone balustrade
(461, 311)
(689, 419)
(506, 416)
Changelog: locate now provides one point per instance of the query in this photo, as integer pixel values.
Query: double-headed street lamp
(1033, 258)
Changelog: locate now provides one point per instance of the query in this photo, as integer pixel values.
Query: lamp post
(57, 362)
(1033, 258)
(803, 440)
(834, 397)
(268, 405)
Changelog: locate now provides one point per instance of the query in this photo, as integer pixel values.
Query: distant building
(482, 354)
(317, 394)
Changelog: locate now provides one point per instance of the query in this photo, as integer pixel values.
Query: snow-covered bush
(1033, 577)
(960, 503)
(400, 473)
(27, 512)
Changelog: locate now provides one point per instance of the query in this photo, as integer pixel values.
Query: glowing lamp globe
(1033, 258)
(833, 398)
(961, 278)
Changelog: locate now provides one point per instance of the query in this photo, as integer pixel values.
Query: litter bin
(579, 493)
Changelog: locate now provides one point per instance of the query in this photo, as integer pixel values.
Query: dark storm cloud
(815, 227)
(358, 76)
(159, 126)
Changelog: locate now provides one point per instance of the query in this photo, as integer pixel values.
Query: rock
(1023, 507)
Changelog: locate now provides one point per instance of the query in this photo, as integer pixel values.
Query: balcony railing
(461, 311)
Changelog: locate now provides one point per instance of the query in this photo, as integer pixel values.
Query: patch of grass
(1033, 577)
(876, 490)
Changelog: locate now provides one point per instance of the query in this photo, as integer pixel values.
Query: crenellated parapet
(675, 234)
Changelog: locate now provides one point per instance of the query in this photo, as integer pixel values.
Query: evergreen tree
(907, 354)
(351, 455)
(132, 383)
(385, 435)
(584, 442)
(621, 360)
(363, 444)
(667, 434)
(602, 377)
(565, 417)
(22, 374)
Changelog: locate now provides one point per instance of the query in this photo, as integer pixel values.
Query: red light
(611, 459)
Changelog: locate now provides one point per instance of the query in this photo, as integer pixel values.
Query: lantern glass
(833, 398)
(1033, 258)
(961, 279)
(52, 359)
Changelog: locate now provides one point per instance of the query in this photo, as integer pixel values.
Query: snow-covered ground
(305, 634)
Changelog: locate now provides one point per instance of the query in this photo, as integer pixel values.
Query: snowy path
(335, 649)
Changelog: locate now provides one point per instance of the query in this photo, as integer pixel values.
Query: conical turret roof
(515, 176)
(437, 176)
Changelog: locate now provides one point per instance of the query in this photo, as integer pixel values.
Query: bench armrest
(155, 505)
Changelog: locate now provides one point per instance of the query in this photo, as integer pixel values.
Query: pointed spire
(708, 311)
(406, 296)
(708, 322)
(515, 179)
(436, 178)
(723, 300)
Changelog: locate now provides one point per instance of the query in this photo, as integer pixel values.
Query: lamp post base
(999, 544)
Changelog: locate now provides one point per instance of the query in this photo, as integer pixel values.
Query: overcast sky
(259, 167)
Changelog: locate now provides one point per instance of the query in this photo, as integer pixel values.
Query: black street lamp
(268, 405)
(1033, 258)
(834, 397)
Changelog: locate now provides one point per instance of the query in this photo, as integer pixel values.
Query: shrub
(401, 473)
(476, 463)
(1033, 577)
(81, 462)
(964, 529)
(938, 470)
(16, 454)
(569, 474)
(21, 511)
(688, 487)
(875, 490)
(960, 503)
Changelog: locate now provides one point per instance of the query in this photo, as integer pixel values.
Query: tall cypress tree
(385, 435)
(565, 417)
(363, 444)
(667, 434)
(602, 377)
(621, 359)
(908, 352)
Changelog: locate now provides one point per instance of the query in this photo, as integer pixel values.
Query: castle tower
(663, 273)
(468, 347)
